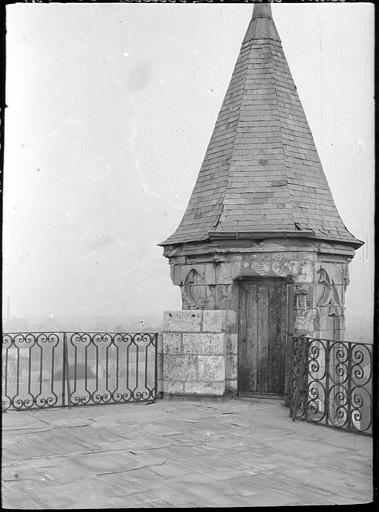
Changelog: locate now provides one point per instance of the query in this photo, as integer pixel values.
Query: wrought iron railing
(53, 369)
(332, 383)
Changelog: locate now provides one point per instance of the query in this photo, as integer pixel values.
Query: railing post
(156, 366)
(349, 377)
(288, 368)
(291, 387)
(305, 379)
(327, 374)
(299, 381)
(64, 370)
(67, 371)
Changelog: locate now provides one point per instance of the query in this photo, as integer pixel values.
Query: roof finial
(261, 25)
(262, 10)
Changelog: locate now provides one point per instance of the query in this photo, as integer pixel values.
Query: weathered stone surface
(203, 343)
(205, 388)
(278, 259)
(304, 324)
(231, 366)
(231, 343)
(231, 385)
(214, 321)
(173, 387)
(172, 342)
(226, 272)
(199, 269)
(194, 361)
(267, 475)
(224, 296)
(231, 321)
(210, 274)
(160, 366)
(278, 264)
(182, 321)
(195, 296)
(160, 343)
(204, 273)
(337, 271)
(304, 272)
(211, 297)
(180, 367)
(175, 271)
(211, 368)
(159, 385)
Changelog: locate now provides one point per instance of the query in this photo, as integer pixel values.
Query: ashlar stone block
(172, 342)
(231, 343)
(231, 366)
(214, 321)
(159, 366)
(210, 274)
(173, 387)
(211, 368)
(180, 367)
(231, 385)
(160, 343)
(226, 272)
(203, 343)
(205, 388)
(160, 385)
(231, 321)
(182, 321)
(175, 274)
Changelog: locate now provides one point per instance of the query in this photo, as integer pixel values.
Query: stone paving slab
(232, 453)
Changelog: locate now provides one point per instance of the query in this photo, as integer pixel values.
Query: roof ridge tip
(262, 10)
(262, 25)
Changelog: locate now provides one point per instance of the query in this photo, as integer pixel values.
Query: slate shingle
(261, 171)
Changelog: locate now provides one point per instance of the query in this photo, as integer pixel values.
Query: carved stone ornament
(191, 279)
(330, 293)
(301, 299)
(305, 318)
(306, 322)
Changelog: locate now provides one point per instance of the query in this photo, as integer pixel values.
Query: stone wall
(198, 353)
(209, 281)
(208, 278)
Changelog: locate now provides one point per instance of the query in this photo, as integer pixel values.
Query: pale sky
(110, 110)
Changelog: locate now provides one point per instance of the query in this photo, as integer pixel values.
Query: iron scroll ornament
(96, 368)
(332, 383)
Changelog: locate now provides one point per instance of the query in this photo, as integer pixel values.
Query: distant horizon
(353, 332)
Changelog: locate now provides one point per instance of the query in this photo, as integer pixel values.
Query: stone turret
(261, 204)
(261, 235)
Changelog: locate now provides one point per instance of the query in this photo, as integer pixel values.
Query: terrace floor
(174, 453)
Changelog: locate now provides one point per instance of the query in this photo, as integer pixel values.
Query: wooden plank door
(262, 312)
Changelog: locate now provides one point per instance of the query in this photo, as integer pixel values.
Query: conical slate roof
(261, 173)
